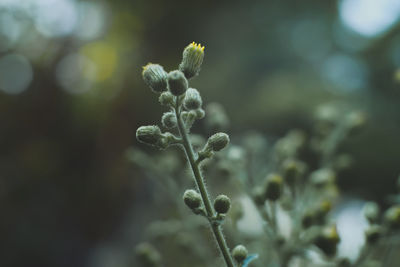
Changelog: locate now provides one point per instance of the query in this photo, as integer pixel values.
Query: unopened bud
(177, 83)
(193, 56)
(192, 100)
(239, 253)
(150, 135)
(273, 187)
(327, 240)
(218, 141)
(222, 204)
(155, 77)
(192, 199)
(166, 99)
(169, 120)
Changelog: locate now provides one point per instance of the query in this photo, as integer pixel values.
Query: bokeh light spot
(15, 73)
(70, 73)
(56, 18)
(104, 57)
(346, 73)
(91, 20)
(369, 17)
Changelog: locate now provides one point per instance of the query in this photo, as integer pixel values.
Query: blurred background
(72, 97)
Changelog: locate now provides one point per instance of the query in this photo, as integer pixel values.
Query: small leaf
(249, 259)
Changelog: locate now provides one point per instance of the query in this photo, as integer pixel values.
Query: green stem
(216, 228)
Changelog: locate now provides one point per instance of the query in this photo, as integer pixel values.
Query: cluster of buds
(172, 87)
(185, 106)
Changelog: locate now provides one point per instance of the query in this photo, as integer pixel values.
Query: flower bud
(150, 135)
(371, 212)
(192, 100)
(193, 56)
(392, 217)
(166, 99)
(222, 204)
(373, 233)
(177, 83)
(239, 253)
(327, 240)
(155, 77)
(292, 170)
(192, 199)
(199, 113)
(169, 120)
(273, 187)
(218, 141)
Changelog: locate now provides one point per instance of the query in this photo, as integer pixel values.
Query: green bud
(192, 199)
(222, 204)
(193, 56)
(155, 77)
(292, 170)
(166, 99)
(273, 187)
(392, 216)
(373, 233)
(192, 100)
(239, 253)
(199, 113)
(169, 120)
(218, 141)
(177, 83)
(371, 212)
(327, 240)
(147, 255)
(150, 135)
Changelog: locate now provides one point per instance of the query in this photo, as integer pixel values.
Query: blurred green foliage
(71, 98)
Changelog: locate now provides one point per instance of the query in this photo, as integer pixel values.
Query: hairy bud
(177, 83)
(169, 120)
(155, 77)
(193, 56)
(192, 100)
(239, 253)
(192, 199)
(166, 99)
(222, 204)
(218, 141)
(150, 135)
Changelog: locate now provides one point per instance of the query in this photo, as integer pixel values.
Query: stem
(216, 228)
